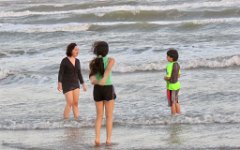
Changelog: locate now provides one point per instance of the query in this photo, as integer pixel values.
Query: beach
(151, 137)
(33, 39)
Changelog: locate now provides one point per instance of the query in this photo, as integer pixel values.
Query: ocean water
(33, 38)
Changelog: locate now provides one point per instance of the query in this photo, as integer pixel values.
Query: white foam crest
(124, 68)
(200, 21)
(44, 124)
(160, 120)
(135, 9)
(215, 63)
(4, 73)
(69, 27)
(193, 64)
(43, 28)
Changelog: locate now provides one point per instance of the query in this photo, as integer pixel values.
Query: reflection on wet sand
(175, 130)
(74, 138)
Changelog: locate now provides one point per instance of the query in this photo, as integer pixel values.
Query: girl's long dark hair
(100, 49)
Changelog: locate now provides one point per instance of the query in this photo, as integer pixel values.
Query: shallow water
(210, 116)
(33, 37)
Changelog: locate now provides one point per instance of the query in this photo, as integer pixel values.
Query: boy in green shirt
(173, 85)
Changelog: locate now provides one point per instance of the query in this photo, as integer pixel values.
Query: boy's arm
(169, 73)
(179, 74)
(111, 62)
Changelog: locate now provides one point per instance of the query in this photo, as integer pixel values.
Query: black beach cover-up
(70, 75)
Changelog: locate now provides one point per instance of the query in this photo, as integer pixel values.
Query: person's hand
(166, 78)
(59, 87)
(93, 80)
(84, 87)
(102, 82)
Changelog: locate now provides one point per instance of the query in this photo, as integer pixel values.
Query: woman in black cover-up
(68, 80)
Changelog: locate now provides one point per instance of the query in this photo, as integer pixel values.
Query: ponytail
(96, 66)
(100, 49)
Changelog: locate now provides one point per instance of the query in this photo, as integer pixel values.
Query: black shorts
(101, 93)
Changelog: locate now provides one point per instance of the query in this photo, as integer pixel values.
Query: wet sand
(175, 136)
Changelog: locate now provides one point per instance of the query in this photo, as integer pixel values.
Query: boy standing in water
(173, 85)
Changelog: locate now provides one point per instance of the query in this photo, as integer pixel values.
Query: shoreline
(153, 137)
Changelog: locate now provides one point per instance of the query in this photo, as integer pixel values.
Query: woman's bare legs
(98, 123)
(76, 93)
(109, 106)
(69, 103)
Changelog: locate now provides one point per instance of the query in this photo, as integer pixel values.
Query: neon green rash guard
(99, 77)
(172, 86)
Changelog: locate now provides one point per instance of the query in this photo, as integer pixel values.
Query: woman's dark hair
(173, 53)
(100, 49)
(70, 48)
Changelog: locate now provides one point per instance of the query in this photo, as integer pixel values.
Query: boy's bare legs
(109, 106)
(177, 105)
(173, 109)
(76, 93)
(98, 123)
(69, 103)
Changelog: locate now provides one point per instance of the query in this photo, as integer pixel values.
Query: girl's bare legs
(109, 106)
(69, 103)
(98, 123)
(76, 93)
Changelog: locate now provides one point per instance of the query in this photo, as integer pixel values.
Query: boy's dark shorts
(103, 93)
(172, 97)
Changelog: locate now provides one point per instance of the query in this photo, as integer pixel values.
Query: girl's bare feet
(97, 143)
(108, 143)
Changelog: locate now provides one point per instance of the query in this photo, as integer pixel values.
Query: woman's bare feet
(77, 119)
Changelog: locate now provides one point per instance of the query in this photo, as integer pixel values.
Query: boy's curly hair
(173, 53)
